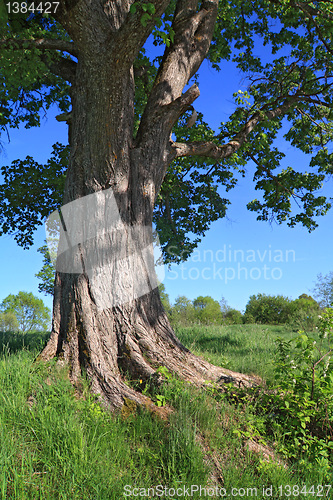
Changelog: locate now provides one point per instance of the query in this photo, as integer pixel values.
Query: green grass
(243, 348)
(56, 445)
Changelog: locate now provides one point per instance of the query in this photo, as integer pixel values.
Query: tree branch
(132, 34)
(65, 68)
(41, 43)
(310, 13)
(218, 152)
(193, 32)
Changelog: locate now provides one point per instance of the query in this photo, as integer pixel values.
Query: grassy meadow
(57, 444)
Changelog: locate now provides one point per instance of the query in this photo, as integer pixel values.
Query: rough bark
(108, 319)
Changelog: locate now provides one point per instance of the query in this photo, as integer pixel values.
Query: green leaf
(145, 18)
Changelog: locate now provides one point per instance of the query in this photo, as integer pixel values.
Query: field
(58, 444)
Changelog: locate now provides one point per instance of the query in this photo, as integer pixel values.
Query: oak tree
(137, 145)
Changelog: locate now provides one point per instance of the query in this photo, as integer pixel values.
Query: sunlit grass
(243, 348)
(56, 444)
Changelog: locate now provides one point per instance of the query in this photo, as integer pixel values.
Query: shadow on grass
(11, 342)
(217, 343)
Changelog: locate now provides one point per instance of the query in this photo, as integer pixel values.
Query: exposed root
(134, 339)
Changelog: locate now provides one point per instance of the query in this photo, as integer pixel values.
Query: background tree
(233, 317)
(305, 313)
(323, 289)
(183, 312)
(268, 309)
(8, 322)
(207, 310)
(129, 134)
(29, 311)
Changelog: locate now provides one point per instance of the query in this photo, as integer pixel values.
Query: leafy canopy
(283, 48)
(29, 311)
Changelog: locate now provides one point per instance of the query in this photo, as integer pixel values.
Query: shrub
(207, 310)
(8, 322)
(268, 309)
(305, 313)
(182, 312)
(233, 317)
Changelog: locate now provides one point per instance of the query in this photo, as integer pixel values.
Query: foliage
(8, 322)
(289, 86)
(323, 289)
(183, 312)
(268, 309)
(233, 317)
(47, 273)
(304, 372)
(208, 310)
(304, 314)
(297, 408)
(30, 311)
(29, 192)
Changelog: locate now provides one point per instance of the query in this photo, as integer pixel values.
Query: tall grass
(56, 444)
(243, 348)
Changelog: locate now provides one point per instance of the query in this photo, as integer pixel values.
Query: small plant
(306, 379)
(298, 408)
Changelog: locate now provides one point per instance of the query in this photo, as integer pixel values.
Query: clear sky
(238, 257)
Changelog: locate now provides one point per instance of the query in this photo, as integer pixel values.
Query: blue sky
(238, 257)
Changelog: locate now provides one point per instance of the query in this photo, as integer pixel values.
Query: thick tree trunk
(108, 319)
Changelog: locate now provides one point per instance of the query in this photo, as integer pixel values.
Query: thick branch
(207, 149)
(41, 43)
(193, 32)
(218, 152)
(132, 34)
(65, 68)
(193, 35)
(178, 107)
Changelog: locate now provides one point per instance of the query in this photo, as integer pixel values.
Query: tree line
(301, 313)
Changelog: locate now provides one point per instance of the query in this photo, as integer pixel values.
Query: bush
(268, 309)
(207, 310)
(233, 317)
(8, 322)
(305, 314)
(182, 312)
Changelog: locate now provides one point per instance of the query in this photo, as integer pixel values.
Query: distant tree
(207, 310)
(224, 306)
(304, 313)
(323, 289)
(268, 309)
(8, 322)
(30, 311)
(306, 297)
(183, 312)
(233, 317)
